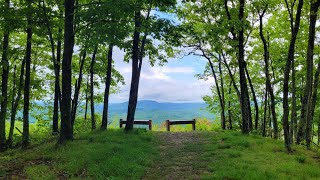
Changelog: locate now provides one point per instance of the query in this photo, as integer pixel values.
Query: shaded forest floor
(161, 155)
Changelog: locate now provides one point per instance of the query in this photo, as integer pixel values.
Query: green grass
(238, 156)
(110, 154)
(114, 154)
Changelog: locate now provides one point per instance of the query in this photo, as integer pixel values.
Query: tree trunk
(137, 56)
(14, 89)
(293, 129)
(229, 108)
(268, 81)
(315, 94)
(264, 124)
(57, 91)
(256, 107)
(104, 123)
(222, 94)
(93, 121)
(15, 105)
(309, 83)
(232, 77)
(133, 97)
(245, 105)
(26, 97)
(74, 105)
(4, 83)
(86, 108)
(66, 132)
(223, 119)
(286, 77)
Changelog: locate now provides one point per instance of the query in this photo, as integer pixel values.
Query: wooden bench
(175, 122)
(143, 122)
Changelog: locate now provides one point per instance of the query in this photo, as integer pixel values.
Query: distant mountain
(146, 109)
(159, 112)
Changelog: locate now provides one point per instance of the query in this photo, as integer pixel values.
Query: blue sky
(173, 82)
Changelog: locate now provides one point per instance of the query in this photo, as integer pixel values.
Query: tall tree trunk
(229, 107)
(66, 132)
(287, 74)
(26, 97)
(4, 83)
(221, 97)
(137, 56)
(57, 91)
(223, 119)
(93, 121)
(264, 124)
(133, 97)
(314, 7)
(222, 94)
(269, 117)
(75, 101)
(232, 77)
(293, 128)
(15, 105)
(245, 105)
(268, 81)
(315, 95)
(104, 123)
(14, 89)
(86, 108)
(255, 101)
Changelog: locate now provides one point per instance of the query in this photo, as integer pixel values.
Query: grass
(141, 154)
(110, 154)
(238, 156)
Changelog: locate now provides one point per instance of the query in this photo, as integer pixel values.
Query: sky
(173, 82)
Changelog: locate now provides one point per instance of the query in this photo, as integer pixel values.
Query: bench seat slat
(181, 122)
(142, 122)
(137, 122)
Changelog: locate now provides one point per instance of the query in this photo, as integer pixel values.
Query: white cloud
(182, 70)
(164, 84)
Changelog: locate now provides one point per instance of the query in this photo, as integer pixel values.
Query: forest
(59, 56)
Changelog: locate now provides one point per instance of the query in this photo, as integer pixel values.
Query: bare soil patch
(179, 157)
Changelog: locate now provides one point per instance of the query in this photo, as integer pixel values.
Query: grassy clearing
(237, 156)
(161, 155)
(111, 154)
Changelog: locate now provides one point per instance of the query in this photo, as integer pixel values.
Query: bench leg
(168, 125)
(120, 123)
(194, 125)
(150, 125)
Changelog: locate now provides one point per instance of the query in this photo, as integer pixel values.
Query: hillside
(159, 112)
(146, 109)
(161, 155)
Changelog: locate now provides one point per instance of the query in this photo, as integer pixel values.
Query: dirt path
(180, 156)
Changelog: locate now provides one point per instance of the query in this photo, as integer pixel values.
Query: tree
(308, 97)
(143, 26)
(107, 89)
(93, 121)
(267, 74)
(66, 132)
(290, 58)
(26, 97)
(245, 105)
(4, 83)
